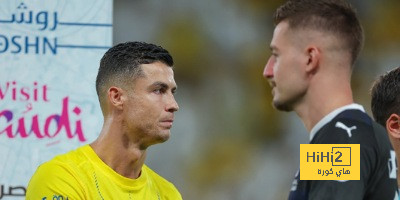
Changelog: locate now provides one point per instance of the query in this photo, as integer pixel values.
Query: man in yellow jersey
(135, 85)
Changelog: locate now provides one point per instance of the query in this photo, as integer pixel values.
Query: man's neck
(324, 101)
(119, 153)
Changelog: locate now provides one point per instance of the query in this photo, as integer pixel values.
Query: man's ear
(116, 97)
(393, 126)
(313, 58)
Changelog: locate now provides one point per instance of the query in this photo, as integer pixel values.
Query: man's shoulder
(168, 190)
(156, 177)
(64, 164)
(60, 176)
(352, 127)
(74, 157)
(356, 127)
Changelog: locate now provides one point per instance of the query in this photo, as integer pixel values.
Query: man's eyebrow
(163, 85)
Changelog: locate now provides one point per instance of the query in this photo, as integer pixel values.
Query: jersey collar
(332, 115)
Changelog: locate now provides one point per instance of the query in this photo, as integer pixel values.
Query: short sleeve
(54, 179)
(353, 189)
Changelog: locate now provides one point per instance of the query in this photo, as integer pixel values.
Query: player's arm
(54, 180)
(352, 189)
(344, 190)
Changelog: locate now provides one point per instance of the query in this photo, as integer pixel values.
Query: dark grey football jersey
(377, 161)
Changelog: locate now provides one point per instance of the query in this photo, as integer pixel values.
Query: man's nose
(269, 68)
(172, 105)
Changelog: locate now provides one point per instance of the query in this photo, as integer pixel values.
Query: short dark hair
(122, 63)
(385, 98)
(334, 16)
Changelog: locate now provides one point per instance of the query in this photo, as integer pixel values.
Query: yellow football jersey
(81, 174)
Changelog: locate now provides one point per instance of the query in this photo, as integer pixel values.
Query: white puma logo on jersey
(347, 129)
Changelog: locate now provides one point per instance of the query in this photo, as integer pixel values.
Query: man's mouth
(167, 123)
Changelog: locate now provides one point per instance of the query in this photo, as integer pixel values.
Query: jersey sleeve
(345, 190)
(171, 193)
(167, 189)
(54, 181)
(351, 189)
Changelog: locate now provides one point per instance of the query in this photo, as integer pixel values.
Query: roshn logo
(329, 161)
(40, 35)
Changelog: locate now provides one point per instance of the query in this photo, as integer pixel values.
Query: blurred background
(227, 141)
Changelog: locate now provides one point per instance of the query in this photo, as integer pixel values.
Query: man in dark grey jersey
(314, 46)
(385, 106)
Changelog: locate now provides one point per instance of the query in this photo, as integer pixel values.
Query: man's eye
(159, 91)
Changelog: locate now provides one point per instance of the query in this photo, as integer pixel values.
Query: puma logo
(343, 126)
